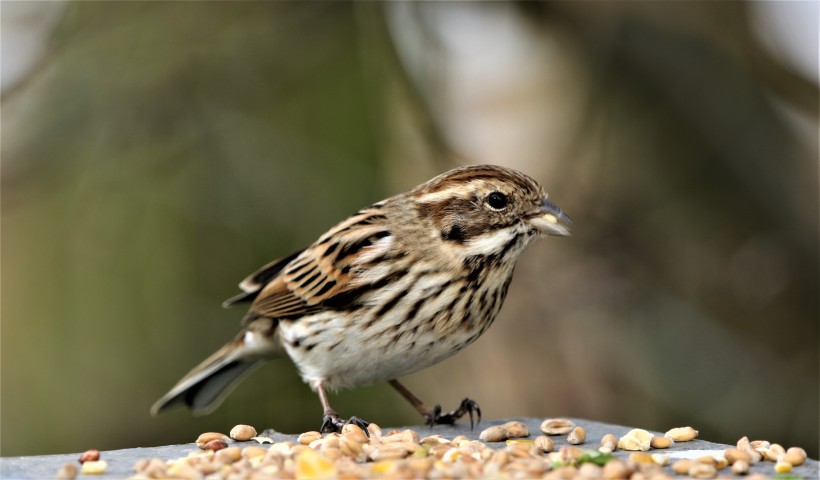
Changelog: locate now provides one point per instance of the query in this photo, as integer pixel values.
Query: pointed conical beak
(551, 220)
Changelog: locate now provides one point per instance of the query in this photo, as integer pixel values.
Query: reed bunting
(397, 287)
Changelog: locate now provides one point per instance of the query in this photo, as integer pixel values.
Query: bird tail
(206, 386)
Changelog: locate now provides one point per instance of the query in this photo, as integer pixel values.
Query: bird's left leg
(433, 416)
(331, 421)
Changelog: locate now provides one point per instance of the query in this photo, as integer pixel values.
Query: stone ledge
(121, 462)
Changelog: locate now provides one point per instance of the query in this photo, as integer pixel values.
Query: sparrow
(395, 288)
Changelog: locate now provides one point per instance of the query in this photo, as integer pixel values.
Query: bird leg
(331, 422)
(433, 416)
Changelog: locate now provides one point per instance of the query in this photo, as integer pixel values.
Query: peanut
(242, 433)
(557, 426)
(682, 434)
(635, 440)
(208, 436)
(577, 436)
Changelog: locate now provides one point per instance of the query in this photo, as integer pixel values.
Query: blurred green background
(155, 153)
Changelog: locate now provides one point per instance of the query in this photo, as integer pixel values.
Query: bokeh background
(155, 153)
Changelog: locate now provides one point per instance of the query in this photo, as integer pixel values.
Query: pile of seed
(355, 453)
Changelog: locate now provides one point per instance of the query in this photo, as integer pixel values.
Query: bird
(396, 287)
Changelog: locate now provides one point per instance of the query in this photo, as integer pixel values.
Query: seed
(67, 472)
(636, 440)
(154, 468)
(215, 444)
(740, 467)
(182, 470)
(577, 436)
(782, 467)
(332, 453)
(330, 441)
(571, 453)
(707, 459)
(354, 432)
(310, 464)
(518, 441)
(608, 443)
(207, 468)
(769, 454)
(795, 455)
(590, 471)
(561, 473)
(208, 454)
(374, 430)
(544, 444)
(351, 448)
(732, 455)
(242, 433)
(760, 444)
(640, 457)
(393, 451)
(208, 436)
(778, 449)
(515, 430)
(141, 464)
(309, 437)
(438, 451)
(681, 467)
(754, 455)
(519, 450)
(90, 456)
(557, 426)
(420, 465)
(433, 440)
(500, 457)
(661, 442)
(94, 467)
(451, 455)
(682, 434)
(281, 448)
(384, 468)
(251, 452)
(351, 454)
(702, 470)
(228, 455)
(422, 452)
(616, 469)
(495, 433)
(403, 436)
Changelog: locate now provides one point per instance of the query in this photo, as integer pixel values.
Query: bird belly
(343, 351)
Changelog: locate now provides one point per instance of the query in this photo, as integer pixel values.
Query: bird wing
(328, 273)
(255, 282)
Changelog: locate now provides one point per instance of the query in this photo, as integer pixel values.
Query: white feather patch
(489, 243)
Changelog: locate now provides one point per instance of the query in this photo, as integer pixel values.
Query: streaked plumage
(397, 287)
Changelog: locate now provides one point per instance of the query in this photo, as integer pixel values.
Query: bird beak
(551, 220)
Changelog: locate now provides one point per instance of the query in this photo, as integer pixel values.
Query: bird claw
(332, 423)
(468, 406)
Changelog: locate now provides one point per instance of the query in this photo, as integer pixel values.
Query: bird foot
(468, 406)
(332, 423)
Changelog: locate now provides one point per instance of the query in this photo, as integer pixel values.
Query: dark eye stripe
(456, 233)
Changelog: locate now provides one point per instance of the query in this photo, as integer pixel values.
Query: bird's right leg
(433, 416)
(331, 422)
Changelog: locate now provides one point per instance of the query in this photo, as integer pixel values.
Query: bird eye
(497, 200)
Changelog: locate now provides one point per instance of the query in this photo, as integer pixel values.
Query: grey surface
(121, 462)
